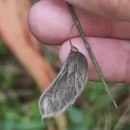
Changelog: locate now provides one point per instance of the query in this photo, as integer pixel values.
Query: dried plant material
(67, 86)
(79, 27)
(15, 33)
(61, 122)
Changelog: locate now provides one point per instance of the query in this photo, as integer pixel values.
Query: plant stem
(76, 21)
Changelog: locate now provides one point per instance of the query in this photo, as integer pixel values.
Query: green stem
(72, 12)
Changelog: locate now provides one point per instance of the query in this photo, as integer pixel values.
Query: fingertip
(33, 20)
(49, 21)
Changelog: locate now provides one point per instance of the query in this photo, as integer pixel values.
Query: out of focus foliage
(93, 109)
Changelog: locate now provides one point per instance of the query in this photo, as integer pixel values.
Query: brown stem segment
(76, 21)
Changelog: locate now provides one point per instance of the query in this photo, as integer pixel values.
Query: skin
(105, 23)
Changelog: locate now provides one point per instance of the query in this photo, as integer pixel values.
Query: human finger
(50, 22)
(113, 57)
(116, 9)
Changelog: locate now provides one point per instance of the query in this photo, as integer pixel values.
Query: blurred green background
(93, 110)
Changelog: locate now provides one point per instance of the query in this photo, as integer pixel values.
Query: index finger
(50, 22)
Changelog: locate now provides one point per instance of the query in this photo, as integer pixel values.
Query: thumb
(116, 9)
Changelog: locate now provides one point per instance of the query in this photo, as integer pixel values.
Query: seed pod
(67, 86)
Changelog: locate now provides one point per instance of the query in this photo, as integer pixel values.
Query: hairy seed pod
(66, 87)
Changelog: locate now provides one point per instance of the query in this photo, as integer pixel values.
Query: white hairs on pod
(66, 87)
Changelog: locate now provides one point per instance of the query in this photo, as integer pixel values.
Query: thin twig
(71, 33)
(72, 12)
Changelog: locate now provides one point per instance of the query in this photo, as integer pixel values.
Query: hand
(105, 23)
